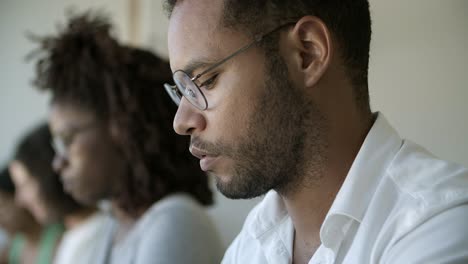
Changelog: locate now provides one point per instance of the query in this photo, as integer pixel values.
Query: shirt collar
(268, 214)
(272, 227)
(376, 154)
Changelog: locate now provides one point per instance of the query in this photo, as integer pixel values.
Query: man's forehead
(192, 29)
(202, 10)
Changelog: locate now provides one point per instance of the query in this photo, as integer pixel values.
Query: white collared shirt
(398, 204)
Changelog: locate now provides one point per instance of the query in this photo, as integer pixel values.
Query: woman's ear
(311, 41)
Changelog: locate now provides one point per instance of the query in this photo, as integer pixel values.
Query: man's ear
(311, 40)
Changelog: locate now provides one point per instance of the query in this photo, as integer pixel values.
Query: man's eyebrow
(193, 65)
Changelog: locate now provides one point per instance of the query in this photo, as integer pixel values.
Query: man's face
(91, 166)
(252, 137)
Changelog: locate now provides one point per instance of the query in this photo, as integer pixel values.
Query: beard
(284, 138)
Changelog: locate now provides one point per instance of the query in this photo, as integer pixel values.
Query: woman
(111, 121)
(38, 188)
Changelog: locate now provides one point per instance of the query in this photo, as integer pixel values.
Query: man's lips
(207, 160)
(198, 152)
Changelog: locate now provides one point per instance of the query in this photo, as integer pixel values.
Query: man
(274, 97)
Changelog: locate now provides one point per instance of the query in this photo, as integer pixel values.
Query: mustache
(214, 149)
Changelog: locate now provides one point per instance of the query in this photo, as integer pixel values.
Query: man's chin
(237, 191)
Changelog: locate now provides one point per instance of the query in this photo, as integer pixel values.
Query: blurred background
(418, 71)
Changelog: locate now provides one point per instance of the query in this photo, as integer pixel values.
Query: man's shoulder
(441, 238)
(426, 190)
(417, 172)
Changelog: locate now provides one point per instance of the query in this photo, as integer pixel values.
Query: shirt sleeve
(443, 239)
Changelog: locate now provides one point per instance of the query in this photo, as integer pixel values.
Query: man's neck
(309, 203)
(307, 208)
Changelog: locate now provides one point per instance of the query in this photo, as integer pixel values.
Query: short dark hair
(348, 20)
(86, 66)
(35, 152)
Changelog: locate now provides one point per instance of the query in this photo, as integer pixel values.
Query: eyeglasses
(186, 86)
(61, 144)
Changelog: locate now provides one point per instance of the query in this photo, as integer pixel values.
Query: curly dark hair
(84, 65)
(35, 152)
(348, 20)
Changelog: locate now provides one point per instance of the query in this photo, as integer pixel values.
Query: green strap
(49, 238)
(17, 247)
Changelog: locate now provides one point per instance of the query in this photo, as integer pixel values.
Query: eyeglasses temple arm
(246, 47)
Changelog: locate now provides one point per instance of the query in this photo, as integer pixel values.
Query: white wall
(418, 73)
(418, 70)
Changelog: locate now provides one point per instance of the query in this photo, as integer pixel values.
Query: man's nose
(188, 119)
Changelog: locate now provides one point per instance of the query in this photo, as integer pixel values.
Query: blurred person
(3, 243)
(24, 232)
(111, 122)
(7, 185)
(70, 227)
(274, 96)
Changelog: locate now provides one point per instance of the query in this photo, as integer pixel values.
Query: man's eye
(208, 83)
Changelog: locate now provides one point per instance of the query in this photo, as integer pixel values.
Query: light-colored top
(77, 245)
(398, 204)
(174, 230)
